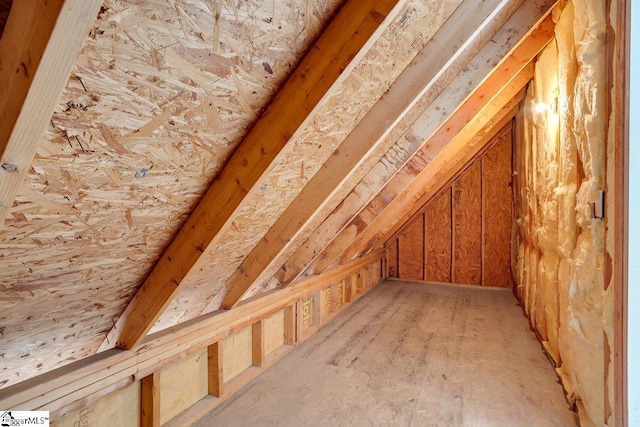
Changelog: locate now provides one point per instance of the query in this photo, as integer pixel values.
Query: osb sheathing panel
(182, 384)
(403, 154)
(119, 408)
(467, 218)
(161, 94)
(304, 156)
(497, 212)
(437, 222)
(561, 165)
(274, 332)
(237, 353)
(484, 207)
(392, 258)
(411, 250)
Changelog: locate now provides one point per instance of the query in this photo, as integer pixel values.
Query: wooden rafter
(466, 143)
(453, 41)
(461, 155)
(37, 50)
(355, 28)
(321, 256)
(61, 389)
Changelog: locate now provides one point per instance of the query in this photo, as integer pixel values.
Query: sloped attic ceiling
(179, 173)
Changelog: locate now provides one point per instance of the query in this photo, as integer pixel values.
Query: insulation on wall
(560, 158)
(463, 234)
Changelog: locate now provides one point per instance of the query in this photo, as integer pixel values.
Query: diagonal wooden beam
(460, 155)
(321, 249)
(37, 50)
(454, 40)
(354, 29)
(464, 144)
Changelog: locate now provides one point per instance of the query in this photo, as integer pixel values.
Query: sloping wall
(560, 166)
(462, 235)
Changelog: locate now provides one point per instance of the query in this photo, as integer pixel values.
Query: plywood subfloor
(410, 355)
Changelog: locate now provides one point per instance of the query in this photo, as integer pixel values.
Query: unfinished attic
(301, 212)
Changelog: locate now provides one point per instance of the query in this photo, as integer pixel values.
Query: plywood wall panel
(309, 148)
(497, 209)
(119, 408)
(392, 258)
(476, 207)
(182, 384)
(467, 208)
(274, 332)
(438, 239)
(237, 353)
(160, 96)
(411, 250)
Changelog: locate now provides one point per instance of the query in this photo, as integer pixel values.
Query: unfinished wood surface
(257, 343)
(38, 48)
(77, 385)
(332, 58)
(411, 354)
(215, 375)
(438, 228)
(467, 221)
(392, 258)
(236, 353)
(301, 159)
(484, 96)
(465, 28)
(121, 407)
(411, 251)
(274, 332)
(618, 49)
(182, 384)
(441, 170)
(440, 240)
(385, 60)
(497, 199)
(150, 400)
(434, 107)
(134, 142)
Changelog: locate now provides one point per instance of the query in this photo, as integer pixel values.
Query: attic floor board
(410, 354)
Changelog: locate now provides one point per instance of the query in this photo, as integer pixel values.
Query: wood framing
(452, 42)
(492, 166)
(443, 168)
(150, 400)
(351, 217)
(618, 74)
(538, 37)
(215, 378)
(385, 227)
(353, 30)
(71, 387)
(258, 338)
(38, 48)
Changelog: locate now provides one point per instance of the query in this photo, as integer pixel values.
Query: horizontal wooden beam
(522, 54)
(37, 51)
(59, 390)
(355, 28)
(454, 40)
